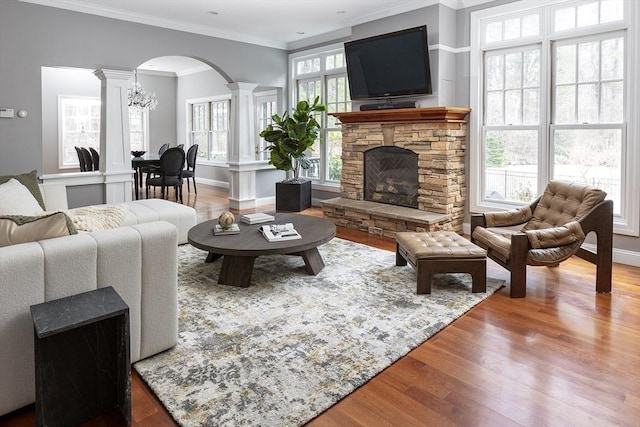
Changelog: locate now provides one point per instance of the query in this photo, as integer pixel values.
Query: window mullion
(547, 94)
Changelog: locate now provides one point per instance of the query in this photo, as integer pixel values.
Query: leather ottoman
(441, 252)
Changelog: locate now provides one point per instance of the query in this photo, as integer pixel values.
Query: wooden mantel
(403, 115)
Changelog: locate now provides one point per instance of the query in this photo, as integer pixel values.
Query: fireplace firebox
(391, 176)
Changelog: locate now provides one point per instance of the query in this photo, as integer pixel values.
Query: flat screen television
(389, 65)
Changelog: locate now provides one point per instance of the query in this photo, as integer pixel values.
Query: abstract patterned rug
(291, 345)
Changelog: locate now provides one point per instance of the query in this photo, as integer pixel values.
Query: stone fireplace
(402, 170)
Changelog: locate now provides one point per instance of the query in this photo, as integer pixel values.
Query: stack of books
(219, 231)
(280, 232)
(256, 218)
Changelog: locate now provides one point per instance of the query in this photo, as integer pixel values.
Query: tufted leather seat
(553, 229)
(441, 252)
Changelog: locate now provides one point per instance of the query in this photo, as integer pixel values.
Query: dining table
(140, 162)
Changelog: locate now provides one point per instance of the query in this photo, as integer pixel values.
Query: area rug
(291, 345)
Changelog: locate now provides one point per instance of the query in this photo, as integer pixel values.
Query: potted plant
(289, 138)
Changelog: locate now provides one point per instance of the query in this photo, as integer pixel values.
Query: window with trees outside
(138, 129)
(78, 126)
(265, 108)
(323, 73)
(551, 101)
(209, 128)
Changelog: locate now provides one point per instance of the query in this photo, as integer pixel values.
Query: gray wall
(32, 36)
(162, 120)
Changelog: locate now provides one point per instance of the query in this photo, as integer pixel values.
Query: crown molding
(463, 4)
(392, 10)
(145, 19)
(139, 18)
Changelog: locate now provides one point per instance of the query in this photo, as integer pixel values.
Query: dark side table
(82, 358)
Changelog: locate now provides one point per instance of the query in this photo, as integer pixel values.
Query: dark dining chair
(81, 163)
(153, 169)
(95, 157)
(169, 173)
(88, 161)
(190, 171)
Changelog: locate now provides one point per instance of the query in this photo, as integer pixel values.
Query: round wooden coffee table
(239, 251)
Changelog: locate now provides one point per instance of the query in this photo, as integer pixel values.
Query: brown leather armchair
(554, 228)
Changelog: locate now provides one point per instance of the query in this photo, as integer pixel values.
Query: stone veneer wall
(440, 147)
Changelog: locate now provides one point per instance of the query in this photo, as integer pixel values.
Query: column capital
(103, 74)
(238, 86)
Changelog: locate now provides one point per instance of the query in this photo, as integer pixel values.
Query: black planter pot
(293, 196)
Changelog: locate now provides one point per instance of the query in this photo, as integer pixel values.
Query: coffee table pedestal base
(312, 260)
(237, 270)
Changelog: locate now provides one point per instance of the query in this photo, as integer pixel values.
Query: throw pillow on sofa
(16, 229)
(16, 199)
(29, 180)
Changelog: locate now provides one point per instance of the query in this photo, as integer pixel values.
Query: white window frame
(261, 123)
(322, 182)
(628, 222)
(209, 100)
(61, 99)
(145, 128)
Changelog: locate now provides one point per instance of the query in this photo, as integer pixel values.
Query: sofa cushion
(21, 229)
(16, 199)
(29, 180)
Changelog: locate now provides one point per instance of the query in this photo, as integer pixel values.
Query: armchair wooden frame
(598, 219)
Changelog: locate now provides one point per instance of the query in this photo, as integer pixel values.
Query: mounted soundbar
(388, 105)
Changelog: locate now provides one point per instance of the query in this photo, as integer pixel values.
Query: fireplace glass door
(391, 176)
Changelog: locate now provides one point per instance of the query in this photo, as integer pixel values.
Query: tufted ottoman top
(438, 245)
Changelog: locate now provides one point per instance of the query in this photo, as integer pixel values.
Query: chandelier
(139, 98)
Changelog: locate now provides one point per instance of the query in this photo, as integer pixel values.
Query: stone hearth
(437, 135)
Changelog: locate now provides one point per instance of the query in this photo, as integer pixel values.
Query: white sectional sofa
(139, 259)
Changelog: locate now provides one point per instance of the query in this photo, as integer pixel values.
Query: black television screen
(394, 64)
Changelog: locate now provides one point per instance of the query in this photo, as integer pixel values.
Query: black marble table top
(56, 316)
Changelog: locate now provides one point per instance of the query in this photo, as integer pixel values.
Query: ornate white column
(241, 149)
(115, 148)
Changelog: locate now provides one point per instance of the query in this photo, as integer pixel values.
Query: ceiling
(283, 24)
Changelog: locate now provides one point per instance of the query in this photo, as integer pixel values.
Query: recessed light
(212, 12)
(300, 32)
(341, 12)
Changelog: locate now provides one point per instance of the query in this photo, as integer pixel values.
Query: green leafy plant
(290, 137)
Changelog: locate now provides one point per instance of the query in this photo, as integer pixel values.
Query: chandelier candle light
(139, 98)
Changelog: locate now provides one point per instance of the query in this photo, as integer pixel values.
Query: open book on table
(279, 232)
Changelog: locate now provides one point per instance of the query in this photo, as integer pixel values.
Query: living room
(37, 41)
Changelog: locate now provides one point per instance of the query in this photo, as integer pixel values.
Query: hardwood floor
(563, 355)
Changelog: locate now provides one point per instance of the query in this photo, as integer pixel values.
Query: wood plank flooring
(563, 355)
